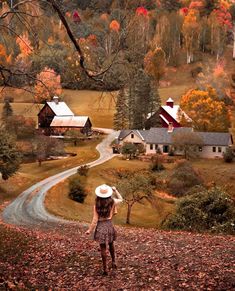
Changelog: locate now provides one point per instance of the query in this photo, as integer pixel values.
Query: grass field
(31, 173)
(99, 106)
(144, 215)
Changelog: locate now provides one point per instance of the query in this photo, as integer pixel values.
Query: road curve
(28, 208)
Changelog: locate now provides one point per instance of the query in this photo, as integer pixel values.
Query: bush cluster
(157, 164)
(77, 191)
(184, 177)
(209, 210)
(83, 170)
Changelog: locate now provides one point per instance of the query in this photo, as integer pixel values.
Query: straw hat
(103, 191)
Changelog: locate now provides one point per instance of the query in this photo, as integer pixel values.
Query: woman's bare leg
(104, 258)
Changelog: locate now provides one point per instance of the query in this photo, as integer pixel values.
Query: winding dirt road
(28, 208)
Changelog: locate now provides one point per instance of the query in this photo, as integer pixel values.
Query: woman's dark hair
(103, 206)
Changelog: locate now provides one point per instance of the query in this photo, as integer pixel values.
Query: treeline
(112, 34)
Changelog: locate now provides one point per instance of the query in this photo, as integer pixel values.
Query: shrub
(83, 170)
(77, 190)
(129, 150)
(183, 178)
(228, 155)
(210, 210)
(157, 164)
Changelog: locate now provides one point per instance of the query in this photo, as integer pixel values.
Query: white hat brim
(106, 195)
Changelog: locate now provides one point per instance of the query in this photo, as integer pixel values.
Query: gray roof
(141, 133)
(216, 138)
(162, 136)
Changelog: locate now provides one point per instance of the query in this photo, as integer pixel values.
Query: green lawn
(144, 215)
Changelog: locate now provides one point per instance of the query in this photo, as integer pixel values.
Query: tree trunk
(128, 216)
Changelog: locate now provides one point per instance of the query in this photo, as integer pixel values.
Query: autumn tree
(207, 112)
(21, 126)
(155, 63)
(232, 13)
(168, 36)
(10, 156)
(220, 23)
(45, 146)
(191, 32)
(47, 85)
(135, 188)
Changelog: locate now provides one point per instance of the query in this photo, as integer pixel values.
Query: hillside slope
(63, 257)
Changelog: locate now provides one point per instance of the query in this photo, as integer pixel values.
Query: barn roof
(60, 108)
(69, 121)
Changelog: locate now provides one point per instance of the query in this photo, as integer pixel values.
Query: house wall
(45, 117)
(207, 152)
(129, 139)
(150, 151)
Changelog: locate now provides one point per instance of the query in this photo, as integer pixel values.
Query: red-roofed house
(170, 115)
(55, 118)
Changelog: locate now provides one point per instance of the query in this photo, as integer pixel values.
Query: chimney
(170, 102)
(56, 99)
(170, 127)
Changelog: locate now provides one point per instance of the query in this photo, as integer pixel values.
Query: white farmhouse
(213, 144)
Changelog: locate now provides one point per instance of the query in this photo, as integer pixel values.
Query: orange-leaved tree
(155, 64)
(206, 110)
(47, 85)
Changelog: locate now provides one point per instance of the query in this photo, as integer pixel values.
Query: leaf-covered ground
(64, 258)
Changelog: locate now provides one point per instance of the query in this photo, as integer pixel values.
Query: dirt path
(28, 208)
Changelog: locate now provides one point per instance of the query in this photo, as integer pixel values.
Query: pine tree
(6, 111)
(121, 117)
(155, 100)
(10, 156)
(170, 5)
(141, 92)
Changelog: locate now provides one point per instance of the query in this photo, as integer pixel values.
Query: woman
(104, 209)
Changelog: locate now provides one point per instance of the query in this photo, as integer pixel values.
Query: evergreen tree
(141, 92)
(210, 5)
(155, 100)
(6, 111)
(170, 5)
(10, 156)
(121, 117)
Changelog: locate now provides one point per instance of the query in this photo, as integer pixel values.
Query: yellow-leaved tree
(47, 86)
(206, 110)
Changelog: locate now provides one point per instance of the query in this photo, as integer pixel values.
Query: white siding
(135, 139)
(207, 152)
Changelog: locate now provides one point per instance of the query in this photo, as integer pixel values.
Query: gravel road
(28, 208)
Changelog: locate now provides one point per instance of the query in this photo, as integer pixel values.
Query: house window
(214, 149)
(151, 146)
(219, 149)
(156, 147)
(165, 149)
(200, 149)
(132, 135)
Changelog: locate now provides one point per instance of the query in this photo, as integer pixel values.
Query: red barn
(55, 118)
(169, 115)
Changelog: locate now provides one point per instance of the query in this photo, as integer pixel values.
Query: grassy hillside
(99, 106)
